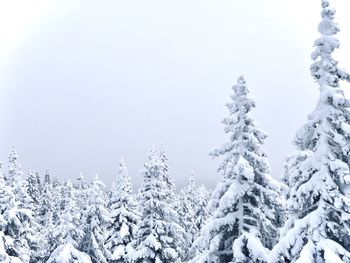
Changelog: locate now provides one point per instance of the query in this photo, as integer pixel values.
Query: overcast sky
(83, 83)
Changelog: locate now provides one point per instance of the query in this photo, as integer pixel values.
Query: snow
(118, 252)
(66, 253)
(249, 217)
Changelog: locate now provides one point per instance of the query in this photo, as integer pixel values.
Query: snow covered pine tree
(19, 225)
(96, 222)
(13, 246)
(125, 216)
(318, 230)
(242, 228)
(181, 239)
(156, 242)
(67, 234)
(201, 211)
(185, 208)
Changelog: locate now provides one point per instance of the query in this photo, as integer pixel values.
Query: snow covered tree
(318, 230)
(242, 228)
(45, 218)
(67, 234)
(25, 226)
(33, 197)
(186, 208)
(157, 238)
(124, 214)
(201, 212)
(168, 179)
(17, 183)
(200, 217)
(69, 227)
(34, 187)
(13, 243)
(67, 253)
(81, 195)
(47, 200)
(14, 172)
(95, 223)
(183, 239)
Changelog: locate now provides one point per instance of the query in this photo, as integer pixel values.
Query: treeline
(48, 221)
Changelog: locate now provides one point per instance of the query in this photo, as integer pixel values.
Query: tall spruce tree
(182, 239)
(67, 234)
(318, 230)
(125, 215)
(95, 223)
(242, 228)
(186, 207)
(34, 187)
(81, 196)
(25, 209)
(17, 183)
(45, 218)
(201, 212)
(14, 245)
(156, 240)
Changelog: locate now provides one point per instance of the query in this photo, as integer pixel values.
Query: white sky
(83, 83)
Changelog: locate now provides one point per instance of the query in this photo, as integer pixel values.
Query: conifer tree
(186, 208)
(182, 239)
(67, 234)
(24, 206)
(95, 223)
(242, 227)
(46, 213)
(318, 230)
(155, 241)
(67, 253)
(13, 243)
(34, 187)
(17, 183)
(46, 207)
(124, 214)
(34, 197)
(201, 212)
(81, 195)
(168, 179)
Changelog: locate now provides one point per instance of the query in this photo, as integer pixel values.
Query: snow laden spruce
(248, 218)
(318, 176)
(124, 216)
(160, 238)
(244, 224)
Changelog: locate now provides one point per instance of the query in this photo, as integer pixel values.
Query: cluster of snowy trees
(306, 217)
(48, 221)
(248, 218)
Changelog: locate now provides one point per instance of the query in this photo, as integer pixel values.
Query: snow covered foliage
(318, 174)
(34, 187)
(186, 208)
(17, 183)
(95, 223)
(68, 228)
(242, 228)
(125, 215)
(45, 218)
(158, 234)
(201, 212)
(67, 253)
(181, 237)
(81, 196)
(192, 210)
(14, 221)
